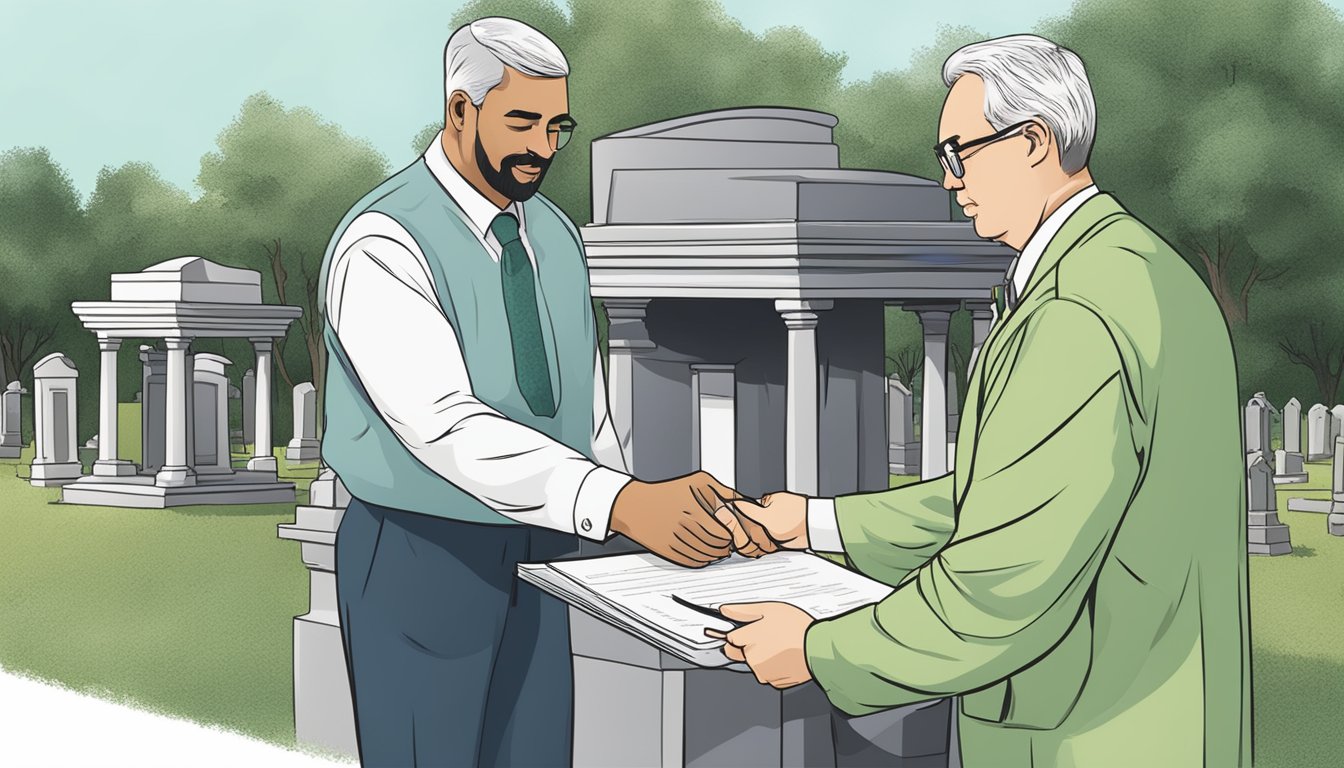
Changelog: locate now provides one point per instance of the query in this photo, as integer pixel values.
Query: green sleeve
(888, 534)
(1053, 473)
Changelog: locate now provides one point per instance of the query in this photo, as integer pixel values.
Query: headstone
(210, 414)
(138, 396)
(304, 446)
(953, 418)
(1319, 441)
(1257, 418)
(249, 405)
(1292, 426)
(1288, 461)
(902, 449)
(92, 442)
(1336, 424)
(1335, 522)
(55, 461)
(11, 432)
(323, 714)
(1265, 534)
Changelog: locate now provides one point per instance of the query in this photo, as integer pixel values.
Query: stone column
(933, 425)
(11, 433)
(107, 463)
(627, 338)
(801, 404)
(263, 459)
(175, 470)
(982, 315)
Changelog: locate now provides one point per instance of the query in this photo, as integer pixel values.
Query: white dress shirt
(823, 530)
(383, 307)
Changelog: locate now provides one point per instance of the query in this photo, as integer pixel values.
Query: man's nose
(951, 183)
(540, 146)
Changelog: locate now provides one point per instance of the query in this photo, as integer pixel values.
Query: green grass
(185, 611)
(188, 611)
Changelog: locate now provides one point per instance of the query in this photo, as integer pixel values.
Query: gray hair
(476, 54)
(1027, 77)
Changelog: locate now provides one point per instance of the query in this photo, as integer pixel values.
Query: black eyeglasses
(559, 133)
(949, 152)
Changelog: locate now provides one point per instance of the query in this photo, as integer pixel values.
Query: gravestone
(902, 448)
(249, 405)
(304, 446)
(210, 414)
(1336, 423)
(1288, 461)
(323, 713)
(1257, 418)
(1292, 426)
(11, 415)
(56, 460)
(1319, 441)
(1265, 534)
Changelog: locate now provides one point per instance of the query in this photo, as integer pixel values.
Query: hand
(782, 515)
(772, 644)
(675, 519)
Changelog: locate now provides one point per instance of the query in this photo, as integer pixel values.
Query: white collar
(1036, 244)
(480, 211)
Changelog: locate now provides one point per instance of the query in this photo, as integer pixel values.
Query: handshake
(695, 520)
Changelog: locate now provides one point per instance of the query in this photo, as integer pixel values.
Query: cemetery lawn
(184, 611)
(188, 612)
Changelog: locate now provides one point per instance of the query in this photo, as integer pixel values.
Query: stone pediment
(189, 279)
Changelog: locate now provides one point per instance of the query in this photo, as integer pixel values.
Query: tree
(42, 230)
(278, 184)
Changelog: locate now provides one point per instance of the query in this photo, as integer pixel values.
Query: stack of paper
(635, 593)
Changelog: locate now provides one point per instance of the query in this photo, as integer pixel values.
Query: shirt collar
(478, 208)
(1036, 244)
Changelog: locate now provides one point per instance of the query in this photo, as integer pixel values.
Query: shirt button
(586, 525)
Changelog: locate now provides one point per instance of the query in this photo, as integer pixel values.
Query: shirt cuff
(823, 530)
(593, 503)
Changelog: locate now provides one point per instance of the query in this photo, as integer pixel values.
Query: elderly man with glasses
(466, 414)
(1079, 578)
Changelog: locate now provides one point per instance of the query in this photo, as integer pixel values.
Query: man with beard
(466, 414)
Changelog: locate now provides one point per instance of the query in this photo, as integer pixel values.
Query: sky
(105, 83)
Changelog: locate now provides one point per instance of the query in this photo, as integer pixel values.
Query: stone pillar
(323, 708)
(982, 316)
(263, 458)
(902, 450)
(1335, 522)
(627, 338)
(801, 404)
(304, 446)
(1256, 421)
(55, 460)
(176, 471)
(108, 464)
(953, 418)
(714, 421)
(933, 426)
(249, 407)
(11, 420)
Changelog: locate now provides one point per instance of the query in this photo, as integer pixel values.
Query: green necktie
(520, 307)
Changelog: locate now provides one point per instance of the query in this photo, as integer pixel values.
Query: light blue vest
(359, 445)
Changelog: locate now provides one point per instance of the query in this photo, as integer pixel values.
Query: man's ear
(457, 110)
(1041, 142)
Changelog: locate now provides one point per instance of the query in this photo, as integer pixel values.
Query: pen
(707, 611)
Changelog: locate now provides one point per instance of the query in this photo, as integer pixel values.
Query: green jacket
(1079, 579)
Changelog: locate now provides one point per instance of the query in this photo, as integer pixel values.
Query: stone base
(10, 450)
(1289, 479)
(1334, 524)
(1320, 506)
(303, 450)
(903, 460)
(139, 491)
(1320, 456)
(48, 475)
(262, 464)
(324, 710)
(1270, 539)
(114, 468)
(172, 477)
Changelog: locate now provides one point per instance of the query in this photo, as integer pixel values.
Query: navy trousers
(452, 660)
